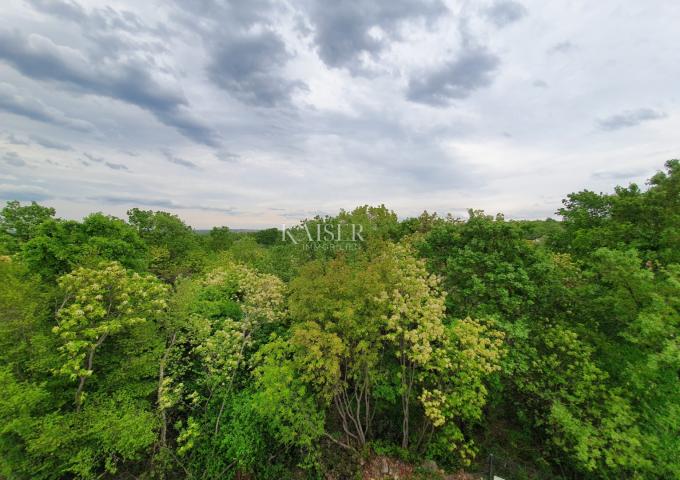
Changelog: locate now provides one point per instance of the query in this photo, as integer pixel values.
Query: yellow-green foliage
(98, 303)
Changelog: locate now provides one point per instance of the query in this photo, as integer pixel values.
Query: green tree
(268, 236)
(219, 320)
(377, 345)
(58, 246)
(487, 266)
(18, 224)
(413, 323)
(628, 218)
(220, 238)
(173, 245)
(98, 303)
(42, 434)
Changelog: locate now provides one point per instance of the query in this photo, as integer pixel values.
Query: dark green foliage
(220, 239)
(539, 230)
(59, 245)
(268, 236)
(487, 265)
(173, 245)
(18, 224)
(630, 217)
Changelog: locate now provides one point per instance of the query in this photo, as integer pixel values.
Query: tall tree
(173, 245)
(18, 223)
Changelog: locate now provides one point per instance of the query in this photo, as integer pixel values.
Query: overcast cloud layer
(255, 113)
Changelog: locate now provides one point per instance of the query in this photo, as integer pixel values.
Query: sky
(258, 113)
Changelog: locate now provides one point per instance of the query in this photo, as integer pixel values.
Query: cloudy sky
(255, 113)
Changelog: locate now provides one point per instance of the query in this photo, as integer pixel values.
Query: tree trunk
(90, 359)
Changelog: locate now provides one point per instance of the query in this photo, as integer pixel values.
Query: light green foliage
(454, 386)
(377, 222)
(101, 437)
(99, 303)
(296, 380)
(259, 301)
(343, 299)
(219, 320)
(348, 233)
(375, 340)
(415, 308)
(282, 396)
(576, 339)
(638, 311)
(413, 323)
(246, 250)
(567, 396)
(42, 435)
(18, 405)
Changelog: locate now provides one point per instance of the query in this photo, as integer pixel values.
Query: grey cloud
(181, 119)
(239, 12)
(620, 174)
(104, 26)
(302, 215)
(562, 47)
(103, 161)
(170, 157)
(247, 55)
(400, 159)
(54, 162)
(127, 80)
(12, 158)
(106, 18)
(23, 193)
(67, 10)
(456, 79)
(629, 118)
(93, 158)
(505, 12)
(39, 140)
(160, 203)
(48, 143)
(246, 67)
(343, 28)
(14, 140)
(115, 166)
(225, 156)
(540, 84)
(11, 101)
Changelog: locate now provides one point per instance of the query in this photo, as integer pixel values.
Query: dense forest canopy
(139, 348)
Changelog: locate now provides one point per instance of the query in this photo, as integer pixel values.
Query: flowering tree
(99, 303)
